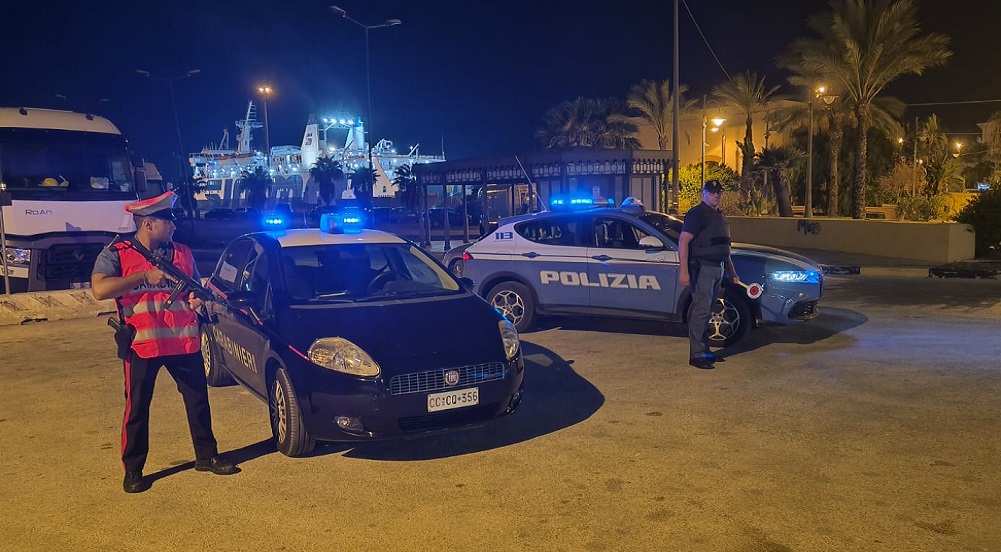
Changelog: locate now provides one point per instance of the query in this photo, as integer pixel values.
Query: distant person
(167, 337)
(703, 256)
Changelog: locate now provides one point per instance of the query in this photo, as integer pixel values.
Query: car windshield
(363, 272)
(669, 225)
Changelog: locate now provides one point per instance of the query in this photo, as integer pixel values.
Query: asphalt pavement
(25, 308)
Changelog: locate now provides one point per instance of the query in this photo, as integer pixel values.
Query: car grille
(70, 262)
(433, 380)
(450, 418)
(804, 310)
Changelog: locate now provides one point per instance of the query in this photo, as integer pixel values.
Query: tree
(407, 183)
(326, 172)
(778, 162)
(653, 101)
(746, 92)
(256, 184)
(588, 122)
(862, 46)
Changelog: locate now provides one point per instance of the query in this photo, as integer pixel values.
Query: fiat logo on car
(451, 377)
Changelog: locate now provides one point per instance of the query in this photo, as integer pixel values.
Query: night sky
(474, 77)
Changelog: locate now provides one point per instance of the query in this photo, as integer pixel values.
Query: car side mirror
(139, 175)
(468, 282)
(651, 242)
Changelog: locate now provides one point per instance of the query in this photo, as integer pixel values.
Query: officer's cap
(713, 187)
(157, 207)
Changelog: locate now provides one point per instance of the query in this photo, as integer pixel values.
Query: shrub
(921, 208)
(984, 214)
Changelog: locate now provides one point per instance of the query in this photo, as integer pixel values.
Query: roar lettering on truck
(613, 281)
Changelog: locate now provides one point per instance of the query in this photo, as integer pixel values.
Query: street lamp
(819, 93)
(173, 104)
(959, 149)
(266, 92)
(722, 142)
(717, 121)
(368, 71)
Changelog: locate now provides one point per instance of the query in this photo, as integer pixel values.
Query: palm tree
(256, 184)
(779, 161)
(862, 46)
(588, 122)
(655, 105)
(746, 92)
(407, 183)
(326, 172)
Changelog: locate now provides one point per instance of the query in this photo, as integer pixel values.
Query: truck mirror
(139, 173)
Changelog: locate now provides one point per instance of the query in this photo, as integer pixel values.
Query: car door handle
(531, 255)
(601, 257)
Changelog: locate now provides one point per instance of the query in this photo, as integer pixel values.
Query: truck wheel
(730, 320)
(515, 302)
(215, 374)
(291, 437)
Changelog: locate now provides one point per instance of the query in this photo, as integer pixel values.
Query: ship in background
(339, 136)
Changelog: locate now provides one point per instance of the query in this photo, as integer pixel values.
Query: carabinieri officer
(166, 337)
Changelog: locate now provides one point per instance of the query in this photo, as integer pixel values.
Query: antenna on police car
(532, 189)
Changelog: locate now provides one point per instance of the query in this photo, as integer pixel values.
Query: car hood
(406, 335)
(775, 253)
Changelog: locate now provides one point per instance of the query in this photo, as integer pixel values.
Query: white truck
(65, 179)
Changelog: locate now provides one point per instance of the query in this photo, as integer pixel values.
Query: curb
(24, 308)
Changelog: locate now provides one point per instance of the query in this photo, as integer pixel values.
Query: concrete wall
(939, 242)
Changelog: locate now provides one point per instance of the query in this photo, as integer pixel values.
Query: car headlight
(17, 255)
(509, 336)
(800, 276)
(339, 354)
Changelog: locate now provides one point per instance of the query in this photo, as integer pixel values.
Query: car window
(255, 277)
(615, 233)
(231, 264)
(550, 231)
(362, 271)
(669, 225)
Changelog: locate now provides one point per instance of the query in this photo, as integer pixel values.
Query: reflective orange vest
(159, 331)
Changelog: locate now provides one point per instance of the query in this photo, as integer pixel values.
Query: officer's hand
(736, 279)
(155, 278)
(684, 279)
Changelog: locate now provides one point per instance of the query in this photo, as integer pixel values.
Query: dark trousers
(188, 372)
(705, 291)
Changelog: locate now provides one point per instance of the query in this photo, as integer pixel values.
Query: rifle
(183, 281)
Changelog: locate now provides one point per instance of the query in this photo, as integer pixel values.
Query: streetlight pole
(828, 99)
(368, 74)
(808, 200)
(266, 91)
(717, 123)
(173, 104)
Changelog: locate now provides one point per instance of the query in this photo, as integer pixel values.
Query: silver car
(623, 263)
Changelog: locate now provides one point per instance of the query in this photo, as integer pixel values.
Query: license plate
(453, 399)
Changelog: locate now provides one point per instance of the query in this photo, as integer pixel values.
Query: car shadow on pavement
(555, 398)
(832, 321)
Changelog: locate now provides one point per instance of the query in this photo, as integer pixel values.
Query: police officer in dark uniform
(704, 257)
(166, 335)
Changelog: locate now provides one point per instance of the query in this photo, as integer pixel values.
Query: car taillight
(466, 256)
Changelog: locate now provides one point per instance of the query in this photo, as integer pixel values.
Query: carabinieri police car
(348, 334)
(580, 259)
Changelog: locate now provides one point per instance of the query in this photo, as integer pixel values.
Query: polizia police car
(348, 335)
(623, 262)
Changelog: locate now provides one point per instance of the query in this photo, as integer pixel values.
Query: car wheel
(515, 302)
(215, 374)
(291, 437)
(730, 320)
(456, 267)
